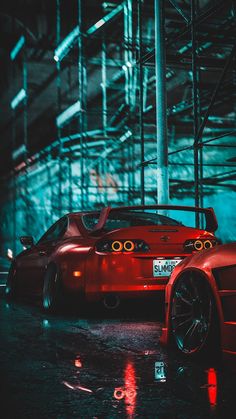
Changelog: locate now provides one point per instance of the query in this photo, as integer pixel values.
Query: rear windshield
(129, 219)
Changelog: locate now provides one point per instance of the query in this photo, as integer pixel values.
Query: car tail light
(125, 246)
(116, 246)
(129, 246)
(199, 244)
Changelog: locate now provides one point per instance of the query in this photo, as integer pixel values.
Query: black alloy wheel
(52, 289)
(193, 317)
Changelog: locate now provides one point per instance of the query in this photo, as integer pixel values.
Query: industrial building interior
(97, 99)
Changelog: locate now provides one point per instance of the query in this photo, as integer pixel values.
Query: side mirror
(27, 240)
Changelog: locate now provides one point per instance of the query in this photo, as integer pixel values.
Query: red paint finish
(73, 246)
(218, 267)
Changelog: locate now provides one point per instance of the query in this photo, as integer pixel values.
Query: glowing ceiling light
(68, 113)
(21, 95)
(124, 67)
(15, 51)
(99, 23)
(64, 46)
(105, 19)
(125, 136)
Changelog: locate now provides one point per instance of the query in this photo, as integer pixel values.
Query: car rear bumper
(126, 274)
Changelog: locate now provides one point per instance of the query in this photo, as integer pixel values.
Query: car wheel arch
(217, 309)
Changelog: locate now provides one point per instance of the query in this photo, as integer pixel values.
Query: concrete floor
(102, 366)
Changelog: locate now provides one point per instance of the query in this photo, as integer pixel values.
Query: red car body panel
(218, 266)
(85, 269)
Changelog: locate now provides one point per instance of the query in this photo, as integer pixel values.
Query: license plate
(164, 267)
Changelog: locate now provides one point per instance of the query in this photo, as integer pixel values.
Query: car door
(33, 262)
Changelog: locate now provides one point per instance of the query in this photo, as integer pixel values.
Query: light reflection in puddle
(129, 391)
(130, 388)
(212, 387)
(77, 387)
(208, 377)
(78, 363)
(196, 384)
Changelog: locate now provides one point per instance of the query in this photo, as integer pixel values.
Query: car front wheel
(52, 289)
(193, 315)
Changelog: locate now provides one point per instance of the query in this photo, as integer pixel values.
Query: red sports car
(201, 303)
(108, 255)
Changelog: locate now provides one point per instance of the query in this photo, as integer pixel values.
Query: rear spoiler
(211, 221)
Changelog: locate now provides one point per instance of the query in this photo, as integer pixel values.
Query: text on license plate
(164, 267)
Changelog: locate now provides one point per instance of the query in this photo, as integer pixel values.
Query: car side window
(55, 232)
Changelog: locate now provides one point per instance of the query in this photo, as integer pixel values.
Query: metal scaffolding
(133, 99)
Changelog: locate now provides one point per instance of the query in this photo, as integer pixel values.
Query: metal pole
(25, 130)
(104, 88)
(161, 114)
(141, 122)
(58, 66)
(14, 187)
(81, 114)
(195, 95)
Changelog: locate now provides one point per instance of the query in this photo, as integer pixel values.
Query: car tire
(52, 298)
(194, 319)
(11, 290)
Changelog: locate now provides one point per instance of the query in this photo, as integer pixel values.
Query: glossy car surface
(201, 303)
(107, 255)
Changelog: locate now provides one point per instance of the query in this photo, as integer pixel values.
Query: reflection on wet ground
(102, 366)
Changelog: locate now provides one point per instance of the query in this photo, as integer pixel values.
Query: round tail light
(198, 245)
(117, 246)
(129, 246)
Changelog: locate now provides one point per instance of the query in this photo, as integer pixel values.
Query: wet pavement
(102, 365)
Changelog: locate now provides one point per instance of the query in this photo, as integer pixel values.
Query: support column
(141, 102)
(25, 131)
(58, 64)
(161, 113)
(81, 87)
(195, 95)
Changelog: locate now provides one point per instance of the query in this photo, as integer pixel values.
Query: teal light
(125, 136)
(105, 19)
(185, 47)
(15, 51)
(18, 152)
(68, 113)
(46, 324)
(21, 95)
(64, 46)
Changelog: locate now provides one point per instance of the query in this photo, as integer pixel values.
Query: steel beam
(141, 119)
(195, 96)
(161, 113)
